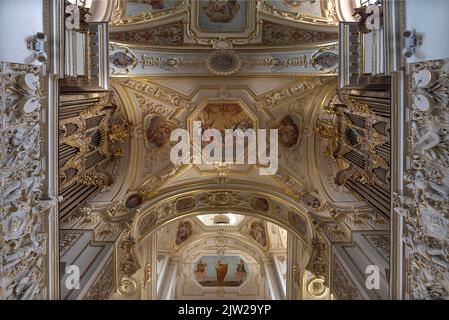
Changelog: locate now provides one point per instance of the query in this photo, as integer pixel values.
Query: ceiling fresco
(228, 104)
(224, 115)
(220, 271)
(229, 64)
(296, 6)
(136, 8)
(224, 24)
(215, 16)
(221, 37)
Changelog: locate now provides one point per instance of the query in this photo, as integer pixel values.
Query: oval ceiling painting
(223, 62)
(325, 60)
(158, 131)
(289, 131)
(134, 201)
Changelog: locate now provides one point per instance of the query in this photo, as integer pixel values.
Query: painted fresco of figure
(288, 132)
(200, 272)
(258, 233)
(221, 11)
(121, 60)
(222, 270)
(326, 60)
(183, 233)
(159, 130)
(240, 271)
(157, 4)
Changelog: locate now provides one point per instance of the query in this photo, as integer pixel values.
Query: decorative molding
(153, 91)
(319, 264)
(165, 35)
(381, 242)
(280, 35)
(343, 287)
(103, 286)
(276, 96)
(67, 238)
(424, 203)
(22, 204)
(140, 61)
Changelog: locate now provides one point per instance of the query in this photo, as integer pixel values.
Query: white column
(273, 286)
(293, 291)
(171, 277)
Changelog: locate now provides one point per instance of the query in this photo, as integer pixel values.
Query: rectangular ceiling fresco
(220, 271)
(134, 8)
(297, 6)
(220, 15)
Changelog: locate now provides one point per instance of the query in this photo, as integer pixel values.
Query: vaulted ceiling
(269, 64)
(229, 64)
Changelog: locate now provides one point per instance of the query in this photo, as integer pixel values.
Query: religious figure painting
(257, 232)
(122, 60)
(289, 131)
(220, 271)
(221, 10)
(297, 222)
(293, 3)
(260, 204)
(158, 131)
(325, 60)
(310, 8)
(223, 15)
(147, 222)
(223, 62)
(183, 233)
(185, 204)
(133, 201)
(311, 201)
(226, 115)
(136, 8)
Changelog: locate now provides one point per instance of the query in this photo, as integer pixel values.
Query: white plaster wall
(429, 18)
(19, 19)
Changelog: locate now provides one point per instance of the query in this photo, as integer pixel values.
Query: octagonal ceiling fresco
(224, 115)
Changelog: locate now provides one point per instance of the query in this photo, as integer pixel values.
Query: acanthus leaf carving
(424, 204)
(22, 204)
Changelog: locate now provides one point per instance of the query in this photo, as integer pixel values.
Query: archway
(170, 208)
